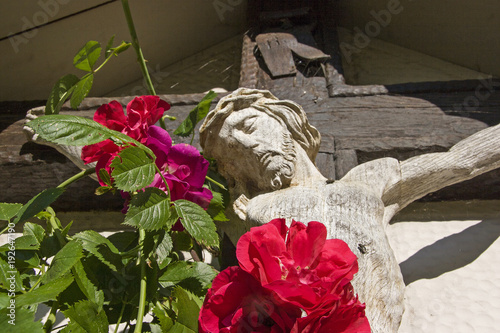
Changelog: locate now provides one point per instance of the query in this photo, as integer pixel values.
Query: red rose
(286, 276)
(142, 112)
(238, 303)
(301, 266)
(341, 314)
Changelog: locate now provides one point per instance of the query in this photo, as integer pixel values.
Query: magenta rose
(238, 303)
(182, 166)
(299, 264)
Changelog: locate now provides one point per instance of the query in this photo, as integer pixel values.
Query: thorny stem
(144, 283)
(135, 44)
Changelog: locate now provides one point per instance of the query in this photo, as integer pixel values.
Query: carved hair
(285, 111)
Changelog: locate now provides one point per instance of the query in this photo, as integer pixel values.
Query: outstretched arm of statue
(427, 173)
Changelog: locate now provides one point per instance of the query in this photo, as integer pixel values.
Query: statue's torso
(354, 213)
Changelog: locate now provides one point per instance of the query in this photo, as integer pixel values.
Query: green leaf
(9, 275)
(87, 56)
(179, 328)
(216, 207)
(46, 292)
(63, 261)
(38, 203)
(101, 247)
(77, 131)
(166, 322)
(133, 170)
(182, 272)
(105, 177)
(81, 90)
(108, 49)
(60, 93)
(120, 48)
(197, 222)
(8, 210)
(35, 230)
(186, 128)
(24, 321)
(188, 308)
(88, 316)
(86, 286)
(164, 248)
(150, 210)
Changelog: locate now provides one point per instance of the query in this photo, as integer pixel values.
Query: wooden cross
(302, 63)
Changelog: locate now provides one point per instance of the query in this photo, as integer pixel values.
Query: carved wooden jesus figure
(266, 149)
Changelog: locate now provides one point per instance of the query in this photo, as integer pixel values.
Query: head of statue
(254, 136)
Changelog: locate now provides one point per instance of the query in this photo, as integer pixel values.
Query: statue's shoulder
(377, 174)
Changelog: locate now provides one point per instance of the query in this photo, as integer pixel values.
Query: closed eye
(248, 125)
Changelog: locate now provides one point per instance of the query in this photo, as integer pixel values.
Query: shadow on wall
(451, 253)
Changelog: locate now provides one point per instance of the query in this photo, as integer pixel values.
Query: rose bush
(181, 165)
(297, 269)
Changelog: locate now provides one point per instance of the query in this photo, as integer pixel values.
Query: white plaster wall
(31, 62)
(449, 254)
(462, 32)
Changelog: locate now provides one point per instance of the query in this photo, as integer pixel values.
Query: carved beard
(278, 165)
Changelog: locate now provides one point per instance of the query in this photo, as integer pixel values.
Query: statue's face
(257, 149)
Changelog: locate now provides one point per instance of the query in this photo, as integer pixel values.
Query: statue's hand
(240, 206)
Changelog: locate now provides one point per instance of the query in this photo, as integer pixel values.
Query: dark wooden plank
(345, 160)
(276, 53)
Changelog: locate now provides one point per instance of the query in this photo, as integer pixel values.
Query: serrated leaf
(108, 50)
(9, 275)
(216, 208)
(60, 93)
(87, 315)
(77, 131)
(182, 272)
(38, 203)
(188, 308)
(8, 210)
(46, 292)
(35, 230)
(86, 286)
(28, 242)
(186, 128)
(81, 90)
(166, 322)
(150, 210)
(63, 261)
(197, 222)
(101, 247)
(133, 170)
(164, 248)
(24, 321)
(87, 56)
